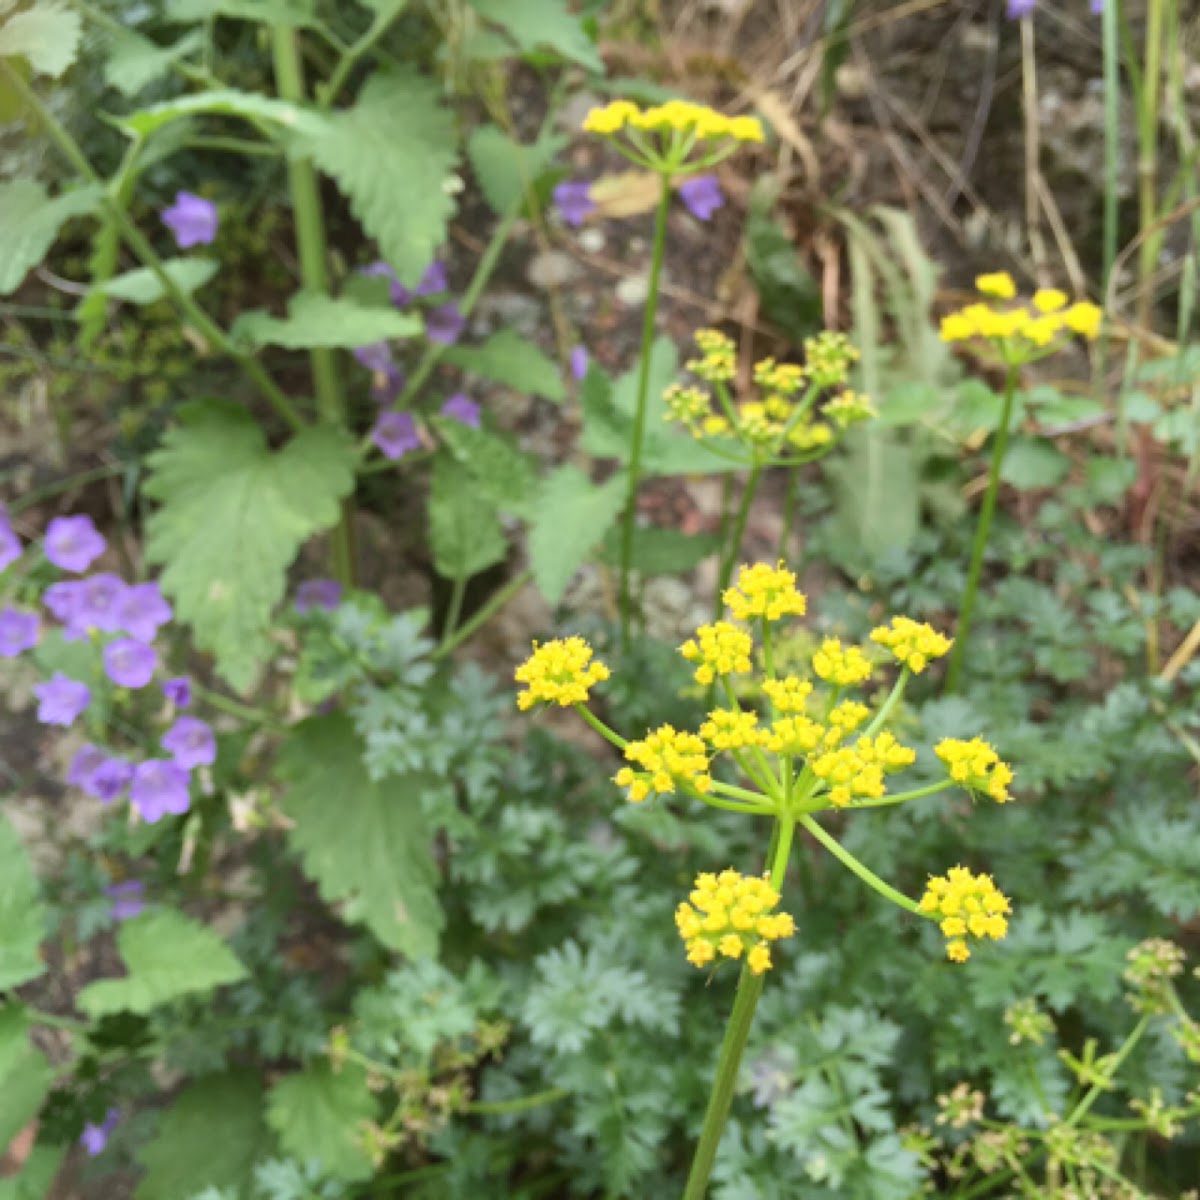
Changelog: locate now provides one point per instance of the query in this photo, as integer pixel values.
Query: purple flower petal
(73, 543)
(386, 385)
(434, 281)
(61, 700)
(399, 293)
(1020, 8)
(18, 631)
(109, 780)
(95, 1137)
(142, 611)
(126, 898)
(573, 200)
(178, 691)
(190, 742)
(129, 663)
(318, 593)
(375, 356)
(98, 602)
(395, 434)
(460, 408)
(159, 787)
(10, 544)
(702, 195)
(87, 760)
(192, 220)
(580, 361)
(444, 324)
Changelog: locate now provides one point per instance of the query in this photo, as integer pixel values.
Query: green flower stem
(500, 1108)
(729, 552)
(454, 611)
(599, 726)
(889, 704)
(244, 712)
(639, 417)
(931, 790)
(728, 789)
(737, 1032)
(849, 861)
(486, 611)
(789, 505)
(729, 805)
(982, 530)
(327, 92)
(1135, 1035)
(133, 237)
(314, 276)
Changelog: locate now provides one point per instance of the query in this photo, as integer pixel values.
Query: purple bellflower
(462, 409)
(95, 1137)
(190, 742)
(18, 631)
(142, 610)
(159, 787)
(318, 593)
(109, 780)
(73, 543)
(444, 324)
(395, 434)
(178, 690)
(702, 195)
(126, 898)
(98, 602)
(574, 201)
(192, 220)
(129, 663)
(61, 700)
(580, 361)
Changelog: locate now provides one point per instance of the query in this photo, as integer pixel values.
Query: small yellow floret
(1083, 318)
(667, 757)
(764, 591)
(966, 905)
(718, 649)
(999, 284)
(843, 666)
(977, 767)
(958, 327)
(789, 694)
(731, 915)
(1049, 300)
(559, 672)
(913, 643)
(731, 729)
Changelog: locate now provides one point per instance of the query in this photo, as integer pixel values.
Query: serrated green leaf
(369, 849)
(573, 515)
(29, 223)
(134, 62)
(37, 1175)
(501, 472)
(210, 1137)
(232, 516)
(23, 1092)
(390, 155)
(166, 955)
(318, 1115)
(508, 358)
(660, 551)
(227, 103)
(142, 286)
(505, 168)
(318, 320)
(1034, 463)
(534, 24)
(464, 531)
(22, 917)
(46, 36)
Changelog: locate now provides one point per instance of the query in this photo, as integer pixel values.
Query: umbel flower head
(560, 672)
(967, 906)
(730, 915)
(666, 758)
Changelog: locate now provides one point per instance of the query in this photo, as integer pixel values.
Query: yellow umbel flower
(1049, 300)
(730, 915)
(999, 284)
(795, 737)
(689, 405)
(719, 649)
(1083, 318)
(976, 766)
(841, 666)
(914, 644)
(810, 435)
(958, 327)
(967, 906)
(856, 772)
(885, 752)
(559, 672)
(828, 357)
(764, 591)
(789, 694)
(612, 118)
(849, 408)
(718, 358)
(847, 717)
(731, 729)
(667, 757)
(785, 378)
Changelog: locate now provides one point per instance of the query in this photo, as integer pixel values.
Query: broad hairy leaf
(500, 471)
(226, 102)
(538, 24)
(166, 955)
(464, 531)
(315, 319)
(318, 1115)
(508, 358)
(1034, 463)
(134, 62)
(390, 155)
(365, 843)
(142, 286)
(505, 168)
(573, 515)
(658, 551)
(232, 516)
(210, 1137)
(22, 917)
(23, 1091)
(46, 36)
(29, 223)
(14, 1039)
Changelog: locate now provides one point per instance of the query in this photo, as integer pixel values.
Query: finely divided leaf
(233, 515)
(365, 843)
(167, 955)
(211, 1137)
(319, 1116)
(29, 223)
(47, 35)
(508, 358)
(142, 286)
(464, 530)
(390, 156)
(22, 917)
(533, 24)
(318, 320)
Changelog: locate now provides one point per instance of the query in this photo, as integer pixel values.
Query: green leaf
(659, 551)
(134, 62)
(233, 515)
(543, 23)
(910, 402)
(142, 286)
(22, 917)
(226, 103)
(573, 515)
(37, 1176)
(390, 156)
(23, 1092)
(504, 167)
(499, 471)
(364, 843)
(319, 1115)
(318, 320)
(14, 1039)
(29, 223)
(508, 358)
(211, 1136)
(464, 530)
(1034, 463)
(294, 13)
(46, 36)
(167, 955)
(790, 296)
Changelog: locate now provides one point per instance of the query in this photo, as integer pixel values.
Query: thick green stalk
(982, 530)
(314, 276)
(729, 552)
(1148, 110)
(639, 418)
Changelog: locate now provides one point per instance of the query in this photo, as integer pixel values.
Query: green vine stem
(134, 238)
(486, 611)
(982, 530)
(851, 863)
(314, 277)
(729, 551)
(639, 419)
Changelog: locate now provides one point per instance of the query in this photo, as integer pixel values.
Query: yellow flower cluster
(676, 116)
(998, 284)
(856, 772)
(667, 757)
(789, 694)
(718, 359)
(798, 736)
(849, 408)
(966, 904)
(784, 379)
(841, 666)
(847, 717)
(688, 405)
(976, 766)
(828, 357)
(731, 729)
(913, 643)
(764, 591)
(730, 915)
(718, 649)
(810, 435)
(559, 672)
